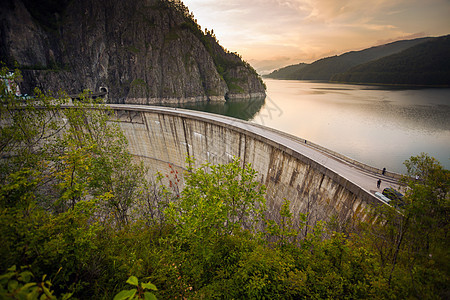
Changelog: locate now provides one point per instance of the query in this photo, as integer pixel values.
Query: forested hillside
(425, 64)
(289, 72)
(324, 69)
(79, 218)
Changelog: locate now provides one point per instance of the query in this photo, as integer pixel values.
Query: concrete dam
(317, 181)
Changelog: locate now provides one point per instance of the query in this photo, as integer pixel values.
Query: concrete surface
(317, 181)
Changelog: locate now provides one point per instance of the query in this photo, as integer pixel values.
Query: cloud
(266, 66)
(332, 10)
(306, 30)
(403, 37)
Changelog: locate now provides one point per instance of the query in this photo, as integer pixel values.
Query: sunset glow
(274, 33)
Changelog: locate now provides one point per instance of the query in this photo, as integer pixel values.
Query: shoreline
(364, 83)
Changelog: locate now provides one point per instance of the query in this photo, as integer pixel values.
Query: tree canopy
(78, 218)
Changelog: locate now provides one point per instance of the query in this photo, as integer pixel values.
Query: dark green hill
(289, 72)
(325, 68)
(427, 63)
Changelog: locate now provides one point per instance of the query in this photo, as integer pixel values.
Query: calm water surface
(378, 126)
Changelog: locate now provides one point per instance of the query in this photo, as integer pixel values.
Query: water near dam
(378, 126)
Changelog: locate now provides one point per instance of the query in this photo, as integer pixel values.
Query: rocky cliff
(141, 51)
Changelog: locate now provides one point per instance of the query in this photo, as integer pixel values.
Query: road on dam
(363, 176)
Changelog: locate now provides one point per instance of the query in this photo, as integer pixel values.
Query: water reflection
(245, 109)
(378, 126)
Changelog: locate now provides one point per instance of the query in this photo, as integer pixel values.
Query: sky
(270, 34)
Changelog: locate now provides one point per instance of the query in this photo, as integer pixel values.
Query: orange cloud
(306, 30)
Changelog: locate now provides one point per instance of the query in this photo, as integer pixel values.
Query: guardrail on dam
(315, 182)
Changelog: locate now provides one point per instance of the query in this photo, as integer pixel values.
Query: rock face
(141, 51)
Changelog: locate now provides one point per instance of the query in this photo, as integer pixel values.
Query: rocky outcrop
(142, 51)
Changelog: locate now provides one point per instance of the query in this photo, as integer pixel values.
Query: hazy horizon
(271, 34)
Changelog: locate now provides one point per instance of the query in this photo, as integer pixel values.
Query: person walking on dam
(378, 183)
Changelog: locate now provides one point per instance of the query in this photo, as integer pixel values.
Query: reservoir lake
(378, 126)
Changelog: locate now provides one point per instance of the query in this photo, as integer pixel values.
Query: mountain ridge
(426, 63)
(142, 52)
(332, 68)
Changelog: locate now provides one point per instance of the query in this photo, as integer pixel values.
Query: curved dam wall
(162, 136)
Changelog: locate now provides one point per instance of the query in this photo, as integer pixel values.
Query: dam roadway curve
(316, 180)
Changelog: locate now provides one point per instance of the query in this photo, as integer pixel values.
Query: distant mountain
(326, 68)
(289, 72)
(427, 63)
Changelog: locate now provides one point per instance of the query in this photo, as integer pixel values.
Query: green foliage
(75, 207)
(137, 293)
(18, 284)
(234, 88)
(225, 198)
(411, 243)
(91, 159)
(427, 209)
(216, 202)
(67, 180)
(24, 127)
(285, 232)
(19, 189)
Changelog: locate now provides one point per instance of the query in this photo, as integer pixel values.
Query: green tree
(410, 237)
(217, 201)
(91, 159)
(427, 210)
(68, 184)
(17, 283)
(27, 126)
(226, 198)
(138, 292)
(74, 206)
